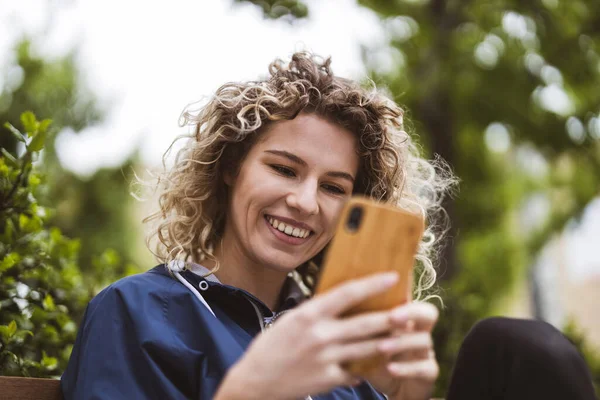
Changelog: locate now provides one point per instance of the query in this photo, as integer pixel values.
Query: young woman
(246, 213)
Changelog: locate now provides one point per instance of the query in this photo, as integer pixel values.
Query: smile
(288, 229)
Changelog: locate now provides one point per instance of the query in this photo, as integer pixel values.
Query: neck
(237, 270)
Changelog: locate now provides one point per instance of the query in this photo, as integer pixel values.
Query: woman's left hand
(411, 369)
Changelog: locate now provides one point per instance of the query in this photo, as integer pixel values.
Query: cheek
(331, 216)
(252, 196)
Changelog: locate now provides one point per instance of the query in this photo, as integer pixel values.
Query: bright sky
(146, 61)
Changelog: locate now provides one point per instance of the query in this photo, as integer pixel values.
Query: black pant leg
(513, 359)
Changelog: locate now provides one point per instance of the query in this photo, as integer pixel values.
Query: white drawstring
(261, 321)
(199, 296)
(193, 289)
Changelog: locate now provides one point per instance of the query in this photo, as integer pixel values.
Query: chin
(282, 264)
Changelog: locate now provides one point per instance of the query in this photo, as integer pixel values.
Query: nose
(304, 198)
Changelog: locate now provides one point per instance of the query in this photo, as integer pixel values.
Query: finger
(352, 293)
(417, 344)
(352, 351)
(423, 369)
(363, 326)
(423, 316)
(412, 354)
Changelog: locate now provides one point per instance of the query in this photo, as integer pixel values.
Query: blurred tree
(507, 93)
(96, 209)
(504, 91)
(50, 87)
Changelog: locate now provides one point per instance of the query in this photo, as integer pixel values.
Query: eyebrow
(297, 160)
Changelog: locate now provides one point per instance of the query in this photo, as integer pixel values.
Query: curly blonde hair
(191, 219)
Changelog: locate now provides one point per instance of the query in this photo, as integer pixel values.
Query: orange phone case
(386, 239)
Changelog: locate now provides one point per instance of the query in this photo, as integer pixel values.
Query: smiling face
(290, 188)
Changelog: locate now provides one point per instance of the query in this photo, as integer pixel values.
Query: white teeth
(288, 229)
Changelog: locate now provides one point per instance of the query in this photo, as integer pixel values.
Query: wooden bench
(17, 388)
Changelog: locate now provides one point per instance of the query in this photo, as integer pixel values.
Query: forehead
(314, 139)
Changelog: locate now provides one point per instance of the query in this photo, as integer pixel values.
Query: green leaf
(43, 127)
(21, 334)
(9, 229)
(25, 333)
(49, 362)
(37, 143)
(34, 180)
(18, 135)
(8, 331)
(29, 123)
(23, 221)
(30, 224)
(9, 261)
(9, 157)
(4, 333)
(48, 303)
(12, 327)
(4, 170)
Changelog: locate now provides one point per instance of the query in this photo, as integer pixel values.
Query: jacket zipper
(270, 321)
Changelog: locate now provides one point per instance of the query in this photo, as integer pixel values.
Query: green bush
(41, 291)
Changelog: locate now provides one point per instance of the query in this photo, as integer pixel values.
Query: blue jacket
(148, 336)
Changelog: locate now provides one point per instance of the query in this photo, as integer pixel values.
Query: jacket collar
(292, 294)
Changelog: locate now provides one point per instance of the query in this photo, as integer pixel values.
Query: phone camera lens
(354, 219)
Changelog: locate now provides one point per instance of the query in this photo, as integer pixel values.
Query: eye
(334, 189)
(285, 171)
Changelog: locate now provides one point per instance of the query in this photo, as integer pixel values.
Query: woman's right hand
(304, 351)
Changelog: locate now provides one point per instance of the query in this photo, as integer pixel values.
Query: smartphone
(372, 237)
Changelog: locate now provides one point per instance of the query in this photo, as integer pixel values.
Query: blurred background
(507, 92)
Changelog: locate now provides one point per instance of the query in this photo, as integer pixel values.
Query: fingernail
(390, 278)
(400, 315)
